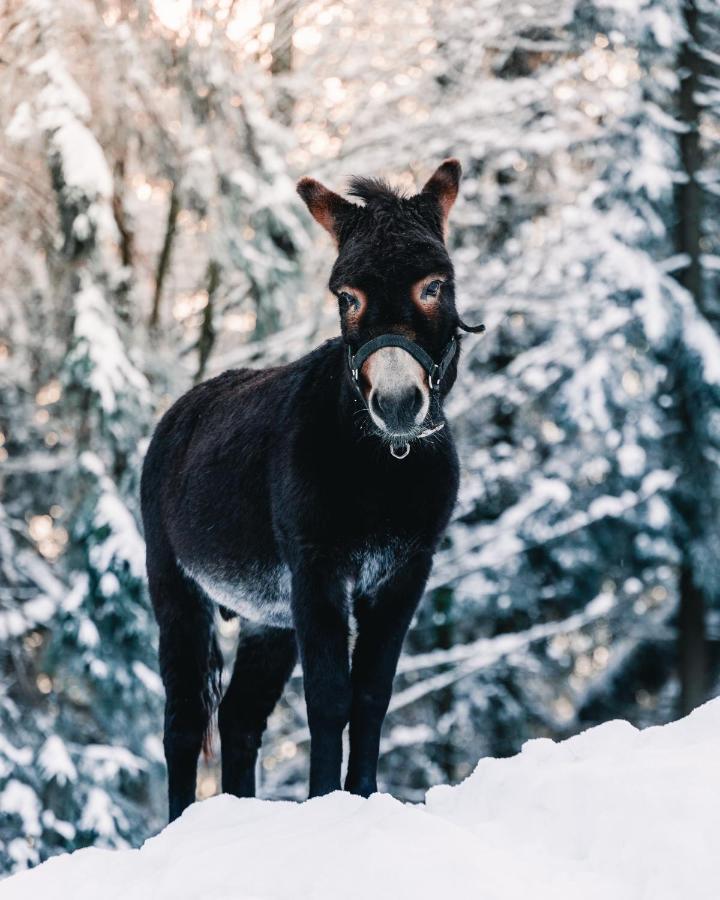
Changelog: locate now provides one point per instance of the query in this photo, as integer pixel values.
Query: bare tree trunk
(692, 641)
(692, 655)
(282, 54)
(690, 195)
(206, 341)
(165, 254)
(121, 219)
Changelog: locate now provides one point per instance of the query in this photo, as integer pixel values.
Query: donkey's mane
(373, 190)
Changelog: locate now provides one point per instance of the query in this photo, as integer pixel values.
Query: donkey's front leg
(320, 618)
(382, 625)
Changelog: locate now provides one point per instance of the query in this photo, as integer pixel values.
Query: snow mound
(614, 812)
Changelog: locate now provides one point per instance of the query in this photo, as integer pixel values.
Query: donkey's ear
(444, 185)
(325, 206)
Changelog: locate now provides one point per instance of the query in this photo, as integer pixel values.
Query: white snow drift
(612, 813)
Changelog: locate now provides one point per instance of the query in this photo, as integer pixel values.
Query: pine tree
(81, 769)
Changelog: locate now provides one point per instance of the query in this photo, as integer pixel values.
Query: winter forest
(151, 236)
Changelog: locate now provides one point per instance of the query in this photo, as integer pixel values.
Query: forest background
(150, 236)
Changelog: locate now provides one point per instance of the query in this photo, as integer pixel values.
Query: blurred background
(150, 236)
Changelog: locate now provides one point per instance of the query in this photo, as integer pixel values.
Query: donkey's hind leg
(190, 665)
(264, 661)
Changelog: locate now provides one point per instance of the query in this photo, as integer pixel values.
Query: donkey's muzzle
(398, 410)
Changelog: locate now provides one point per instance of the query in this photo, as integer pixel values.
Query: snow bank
(613, 812)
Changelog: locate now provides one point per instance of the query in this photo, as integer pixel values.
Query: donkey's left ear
(444, 185)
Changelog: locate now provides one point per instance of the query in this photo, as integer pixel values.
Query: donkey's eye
(348, 300)
(432, 289)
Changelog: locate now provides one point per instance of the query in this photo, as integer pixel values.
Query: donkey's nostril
(378, 403)
(397, 411)
(416, 403)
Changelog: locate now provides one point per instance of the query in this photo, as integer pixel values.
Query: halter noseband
(435, 371)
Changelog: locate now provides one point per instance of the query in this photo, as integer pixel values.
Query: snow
(21, 756)
(61, 97)
(54, 761)
(613, 812)
(83, 161)
(631, 459)
(21, 800)
(112, 373)
(88, 635)
(124, 542)
(497, 544)
(63, 109)
(100, 814)
(151, 680)
(704, 341)
(107, 762)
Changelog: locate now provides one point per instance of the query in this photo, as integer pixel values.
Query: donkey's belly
(256, 593)
(262, 593)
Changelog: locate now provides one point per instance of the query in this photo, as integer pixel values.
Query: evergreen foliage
(151, 236)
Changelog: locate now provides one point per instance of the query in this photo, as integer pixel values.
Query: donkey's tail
(211, 697)
(191, 662)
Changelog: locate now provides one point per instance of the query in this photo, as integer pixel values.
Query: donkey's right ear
(325, 206)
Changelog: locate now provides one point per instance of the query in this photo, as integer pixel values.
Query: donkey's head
(394, 282)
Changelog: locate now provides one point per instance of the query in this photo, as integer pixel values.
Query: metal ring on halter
(397, 453)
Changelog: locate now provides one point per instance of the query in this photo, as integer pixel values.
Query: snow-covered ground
(612, 813)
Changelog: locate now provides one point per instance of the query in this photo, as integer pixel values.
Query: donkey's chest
(373, 564)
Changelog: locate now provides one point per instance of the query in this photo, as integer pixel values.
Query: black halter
(435, 371)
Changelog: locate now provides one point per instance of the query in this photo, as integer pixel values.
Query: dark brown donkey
(306, 494)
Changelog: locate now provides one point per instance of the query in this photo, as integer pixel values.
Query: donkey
(310, 497)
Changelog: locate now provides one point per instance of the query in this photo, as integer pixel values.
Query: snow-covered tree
(151, 236)
(81, 769)
(586, 415)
